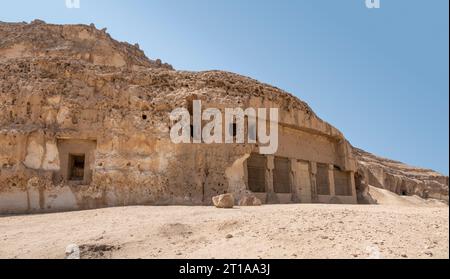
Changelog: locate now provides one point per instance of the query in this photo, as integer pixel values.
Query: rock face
(84, 123)
(223, 201)
(398, 178)
(74, 42)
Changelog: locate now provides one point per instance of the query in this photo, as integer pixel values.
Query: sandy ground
(401, 228)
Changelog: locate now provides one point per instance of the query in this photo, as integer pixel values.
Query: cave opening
(76, 166)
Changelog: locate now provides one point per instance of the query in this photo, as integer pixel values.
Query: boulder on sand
(224, 201)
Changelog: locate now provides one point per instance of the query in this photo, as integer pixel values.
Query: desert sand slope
(273, 231)
(387, 198)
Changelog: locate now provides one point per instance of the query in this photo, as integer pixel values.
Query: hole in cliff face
(190, 106)
(403, 190)
(144, 117)
(233, 129)
(77, 161)
(77, 166)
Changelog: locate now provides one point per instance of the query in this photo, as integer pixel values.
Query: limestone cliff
(400, 178)
(71, 95)
(77, 42)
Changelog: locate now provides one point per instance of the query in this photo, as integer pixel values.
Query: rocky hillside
(76, 60)
(400, 178)
(79, 42)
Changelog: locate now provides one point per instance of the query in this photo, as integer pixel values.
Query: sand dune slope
(385, 197)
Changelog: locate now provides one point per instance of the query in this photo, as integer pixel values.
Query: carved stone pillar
(314, 196)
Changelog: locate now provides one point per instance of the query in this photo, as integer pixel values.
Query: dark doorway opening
(256, 168)
(76, 167)
(281, 176)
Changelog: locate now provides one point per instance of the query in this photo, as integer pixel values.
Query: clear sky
(379, 75)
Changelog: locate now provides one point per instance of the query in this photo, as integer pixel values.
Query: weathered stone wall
(78, 42)
(67, 91)
(398, 178)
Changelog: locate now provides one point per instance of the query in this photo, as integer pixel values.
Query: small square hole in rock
(77, 165)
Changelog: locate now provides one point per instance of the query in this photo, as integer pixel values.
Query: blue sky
(379, 75)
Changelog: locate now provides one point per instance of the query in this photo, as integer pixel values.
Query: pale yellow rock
(90, 115)
(224, 201)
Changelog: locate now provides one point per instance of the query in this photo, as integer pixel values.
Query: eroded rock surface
(399, 178)
(250, 200)
(78, 42)
(84, 123)
(223, 201)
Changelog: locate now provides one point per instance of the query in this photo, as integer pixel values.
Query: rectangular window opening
(77, 167)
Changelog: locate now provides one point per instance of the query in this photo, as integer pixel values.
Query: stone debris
(398, 178)
(250, 201)
(224, 201)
